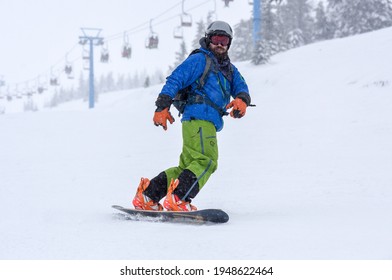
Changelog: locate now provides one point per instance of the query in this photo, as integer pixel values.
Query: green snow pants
(199, 151)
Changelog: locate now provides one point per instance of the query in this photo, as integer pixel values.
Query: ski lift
(178, 32)
(39, 85)
(126, 50)
(68, 69)
(82, 41)
(152, 39)
(86, 65)
(86, 54)
(186, 19)
(29, 92)
(40, 89)
(105, 54)
(86, 58)
(53, 81)
(71, 76)
(227, 2)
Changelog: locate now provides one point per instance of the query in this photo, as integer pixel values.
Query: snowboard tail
(198, 216)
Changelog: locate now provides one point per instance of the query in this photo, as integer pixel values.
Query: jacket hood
(203, 43)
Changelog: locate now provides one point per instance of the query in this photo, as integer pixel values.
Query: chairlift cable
(139, 28)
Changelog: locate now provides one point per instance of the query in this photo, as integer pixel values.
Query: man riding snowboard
(207, 102)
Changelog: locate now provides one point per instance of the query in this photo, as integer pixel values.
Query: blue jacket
(217, 87)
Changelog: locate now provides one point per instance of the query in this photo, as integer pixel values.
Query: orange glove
(161, 118)
(239, 108)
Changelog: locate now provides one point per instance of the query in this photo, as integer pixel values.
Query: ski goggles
(220, 39)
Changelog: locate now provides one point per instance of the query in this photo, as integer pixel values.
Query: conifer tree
(322, 27)
(242, 46)
(181, 54)
(200, 30)
(352, 17)
(298, 22)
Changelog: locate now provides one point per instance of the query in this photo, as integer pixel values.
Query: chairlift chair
(227, 2)
(186, 20)
(53, 81)
(86, 64)
(126, 51)
(82, 41)
(105, 57)
(178, 32)
(68, 69)
(104, 54)
(30, 92)
(86, 53)
(152, 39)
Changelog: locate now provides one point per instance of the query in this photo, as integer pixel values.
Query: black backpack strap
(187, 95)
(204, 99)
(199, 99)
(205, 72)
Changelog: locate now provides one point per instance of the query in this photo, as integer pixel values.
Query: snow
(304, 175)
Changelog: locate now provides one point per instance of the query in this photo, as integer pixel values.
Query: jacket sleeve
(184, 75)
(240, 88)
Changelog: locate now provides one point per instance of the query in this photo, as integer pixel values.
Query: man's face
(219, 44)
(218, 49)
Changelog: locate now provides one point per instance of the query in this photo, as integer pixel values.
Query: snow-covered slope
(305, 175)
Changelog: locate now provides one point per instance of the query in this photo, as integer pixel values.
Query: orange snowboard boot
(173, 203)
(143, 202)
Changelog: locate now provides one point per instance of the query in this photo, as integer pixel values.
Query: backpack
(182, 96)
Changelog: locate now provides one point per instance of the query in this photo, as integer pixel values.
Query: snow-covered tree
(200, 31)
(242, 46)
(147, 82)
(261, 54)
(181, 54)
(323, 28)
(358, 16)
(298, 22)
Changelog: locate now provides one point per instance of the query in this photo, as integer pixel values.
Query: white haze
(305, 175)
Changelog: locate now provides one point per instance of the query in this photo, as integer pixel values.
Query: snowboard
(199, 216)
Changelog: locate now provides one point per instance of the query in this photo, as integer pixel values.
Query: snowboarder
(201, 119)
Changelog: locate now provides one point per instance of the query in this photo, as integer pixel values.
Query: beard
(221, 56)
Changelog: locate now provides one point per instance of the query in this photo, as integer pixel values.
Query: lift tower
(91, 36)
(256, 23)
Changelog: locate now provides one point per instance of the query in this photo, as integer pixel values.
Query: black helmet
(219, 28)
